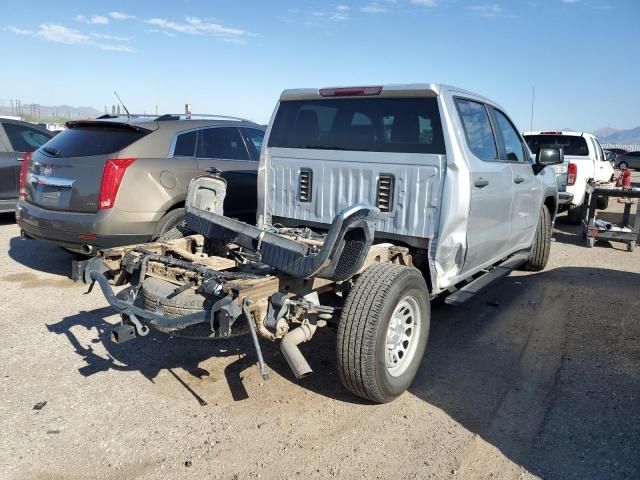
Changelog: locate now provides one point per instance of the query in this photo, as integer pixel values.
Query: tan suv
(123, 180)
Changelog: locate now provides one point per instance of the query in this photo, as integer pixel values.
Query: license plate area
(52, 196)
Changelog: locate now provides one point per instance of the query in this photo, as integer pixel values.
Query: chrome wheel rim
(402, 336)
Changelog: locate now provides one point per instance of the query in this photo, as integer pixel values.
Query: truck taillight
(111, 178)
(572, 174)
(23, 174)
(350, 91)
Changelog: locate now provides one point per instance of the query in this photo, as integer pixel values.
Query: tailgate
(406, 187)
(66, 173)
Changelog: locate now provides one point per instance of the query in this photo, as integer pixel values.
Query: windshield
(571, 144)
(407, 125)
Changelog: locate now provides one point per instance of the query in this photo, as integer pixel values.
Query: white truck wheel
(383, 330)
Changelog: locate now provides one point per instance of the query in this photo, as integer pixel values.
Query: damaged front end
(229, 278)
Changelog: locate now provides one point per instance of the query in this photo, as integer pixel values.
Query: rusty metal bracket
(254, 336)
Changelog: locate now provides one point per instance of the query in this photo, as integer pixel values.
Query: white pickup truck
(584, 162)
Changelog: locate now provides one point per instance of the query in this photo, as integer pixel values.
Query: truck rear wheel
(574, 215)
(383, 331)
(602, 203)
(541, 244)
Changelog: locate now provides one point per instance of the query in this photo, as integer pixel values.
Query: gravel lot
(538, 378)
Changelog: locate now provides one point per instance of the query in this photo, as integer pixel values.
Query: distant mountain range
(622, 137)
(51, 113)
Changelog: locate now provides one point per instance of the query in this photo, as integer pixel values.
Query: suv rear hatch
(66, 173)
(335, 148)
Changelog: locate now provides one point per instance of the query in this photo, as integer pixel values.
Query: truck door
(604, 170)
(525, 207)
(492, 187)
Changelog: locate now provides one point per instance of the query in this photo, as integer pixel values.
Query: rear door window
(477, 129)
(24, 139)
(253, 138)
(571, 144)
(87, 141)
(186, 144)
(222, 143)
(513, 147)
(406, 125)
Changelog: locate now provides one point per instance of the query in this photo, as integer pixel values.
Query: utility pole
(533, 98)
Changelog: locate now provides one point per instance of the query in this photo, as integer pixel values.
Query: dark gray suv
(17, 138)
(123, 180)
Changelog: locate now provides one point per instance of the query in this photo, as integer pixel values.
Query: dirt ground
(540, 377)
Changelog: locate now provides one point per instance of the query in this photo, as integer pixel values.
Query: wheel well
(551, 205)
(174, 207)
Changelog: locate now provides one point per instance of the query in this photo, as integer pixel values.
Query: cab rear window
(404, 125)
(87, 141)
(571, 144)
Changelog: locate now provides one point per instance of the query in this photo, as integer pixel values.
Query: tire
(602, 203)
(541, 244)
(382, 294)
(155, 291)
(170, 220)
(622, 165)
(179, 231)
(591, 242)
(575, 214)
(631, 246)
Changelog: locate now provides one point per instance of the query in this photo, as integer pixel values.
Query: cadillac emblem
(47, 170)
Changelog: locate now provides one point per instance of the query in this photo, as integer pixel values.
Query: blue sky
(583, 56)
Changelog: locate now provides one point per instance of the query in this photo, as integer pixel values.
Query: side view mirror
(548, 156)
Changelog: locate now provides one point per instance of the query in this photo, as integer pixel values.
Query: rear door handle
(481, 183)
(518, 179)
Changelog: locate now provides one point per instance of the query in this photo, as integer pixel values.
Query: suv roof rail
(178, 116)
(200, 116)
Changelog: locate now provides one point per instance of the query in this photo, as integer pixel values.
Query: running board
(467, 292)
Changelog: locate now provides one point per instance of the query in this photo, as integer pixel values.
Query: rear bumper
(71, 230)
(565, 198)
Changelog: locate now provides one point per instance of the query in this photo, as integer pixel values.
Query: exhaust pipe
(291, 352)
(86, 249)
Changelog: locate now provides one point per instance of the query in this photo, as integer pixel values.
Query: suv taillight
(572, 174)
(23, 174)
(111, 177)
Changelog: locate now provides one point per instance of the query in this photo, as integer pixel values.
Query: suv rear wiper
(51, 151)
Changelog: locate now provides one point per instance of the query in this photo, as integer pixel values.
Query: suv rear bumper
(72, 230)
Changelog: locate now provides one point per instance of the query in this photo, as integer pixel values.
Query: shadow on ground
(41, 256)
(7, 218)
(544, 367)
(549, 376)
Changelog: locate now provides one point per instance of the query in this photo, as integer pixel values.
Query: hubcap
(402, 336)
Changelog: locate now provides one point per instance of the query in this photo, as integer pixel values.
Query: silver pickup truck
(371, 202)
